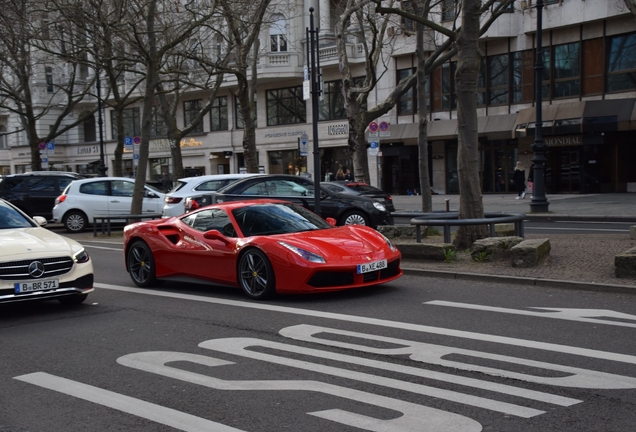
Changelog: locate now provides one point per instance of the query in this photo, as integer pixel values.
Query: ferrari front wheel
(256, 275)
(141, 265)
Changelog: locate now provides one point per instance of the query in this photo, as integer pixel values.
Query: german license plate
(41, 285)
(369, 267)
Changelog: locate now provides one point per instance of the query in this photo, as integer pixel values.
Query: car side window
(12, 184)
(94, 188)
(259, 188)
(122, 188)
(333, 188)
(211, 185)
(62, 182)
(41, 184)
(211, 219)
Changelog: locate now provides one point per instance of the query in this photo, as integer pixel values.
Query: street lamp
(101, 169)
(539, 202)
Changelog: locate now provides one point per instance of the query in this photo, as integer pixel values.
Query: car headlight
(379, 206)
(81, 257)
(309, 256)
(389, 243)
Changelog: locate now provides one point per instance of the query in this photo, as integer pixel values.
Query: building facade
(589, 112)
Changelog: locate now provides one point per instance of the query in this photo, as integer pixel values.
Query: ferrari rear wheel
(256, 275)
(141, 264)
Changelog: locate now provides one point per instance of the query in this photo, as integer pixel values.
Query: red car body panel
(182, 251)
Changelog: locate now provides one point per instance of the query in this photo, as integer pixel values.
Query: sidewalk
(576, 261)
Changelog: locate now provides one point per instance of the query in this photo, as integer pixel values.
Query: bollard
(447, 204)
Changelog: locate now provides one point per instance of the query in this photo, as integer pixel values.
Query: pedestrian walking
(340, 174)
(531, 180)
(519, 179)
(166, 183)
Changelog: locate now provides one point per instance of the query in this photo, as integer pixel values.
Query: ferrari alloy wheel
(141, 264)
(256, 275)
(75, 221)
(354, 218)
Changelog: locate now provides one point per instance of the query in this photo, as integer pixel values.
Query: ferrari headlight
(309, 256)
(379, 206)
(81, 257)
(389, 243)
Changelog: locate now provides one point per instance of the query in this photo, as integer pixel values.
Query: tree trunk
(175, 152)
(249, 129)
(118, 169)
(470, 198)
(422, 138)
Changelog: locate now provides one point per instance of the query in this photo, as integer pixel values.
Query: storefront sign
(283, 134)
(342, 129)
(87, 150)
(191, 143)
(560, 141)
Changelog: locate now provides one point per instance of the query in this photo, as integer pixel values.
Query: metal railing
(449, 219)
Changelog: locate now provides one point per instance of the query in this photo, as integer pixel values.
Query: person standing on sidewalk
(519, 178)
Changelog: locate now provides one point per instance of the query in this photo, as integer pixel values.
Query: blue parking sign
(50, 146)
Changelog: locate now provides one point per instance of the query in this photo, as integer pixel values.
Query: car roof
(217, 177)
(92, 179)
(45, 173)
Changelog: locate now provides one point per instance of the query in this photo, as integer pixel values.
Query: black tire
(73, 300)
(354, 218)
(256, 275)
(141, 265)
(75, 221)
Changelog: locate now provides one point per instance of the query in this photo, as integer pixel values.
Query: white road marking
(565, 349)
(127, 404)
(102, 247)
(580, 315)
(238, 346)
(415, 418)
(434, 354)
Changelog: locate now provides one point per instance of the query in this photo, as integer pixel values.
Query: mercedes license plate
(369, 267)
(41, 285)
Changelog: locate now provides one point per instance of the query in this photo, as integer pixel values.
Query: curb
(519, 280)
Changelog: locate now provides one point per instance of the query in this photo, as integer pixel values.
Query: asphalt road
(419, 354)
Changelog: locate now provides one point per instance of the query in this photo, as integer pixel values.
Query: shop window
(5, 170)
(218, 114)
(286, 106)
(332, 105)
(567, 70)
(621, 63)
(498, 79)
(190, 110)
(277, 34)
(287, 162)
(407, 105)
(592, 66)
(159, 125)
(449, 100)
(522, 77)
(132, 122)
(159, 167)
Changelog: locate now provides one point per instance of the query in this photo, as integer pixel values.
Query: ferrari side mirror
(215, 235)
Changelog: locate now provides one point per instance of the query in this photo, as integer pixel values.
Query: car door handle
(114, 201)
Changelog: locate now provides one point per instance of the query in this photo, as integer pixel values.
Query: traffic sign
(45, 160)
(42, 145)
(137, 140)
(373, 126)
(384, 126)
(50, 146)
(136, 156)
(373, 144)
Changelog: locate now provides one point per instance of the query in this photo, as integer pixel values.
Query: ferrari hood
(346, 241)
(23, 242)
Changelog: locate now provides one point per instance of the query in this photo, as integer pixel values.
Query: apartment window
(131, 120)
(3, 137)
(332, 105)
(481, 83)
(218, 114)
(238, 115)
(159, 125)
(449, 100)
(190, 110)
(547, 73)
(522, 76)
(407, 105)
(50, 87)
(567, 70)
(277, 34)
(510, 8)
(498, 79)
(448, 10)
(621, 63)
(286, 106)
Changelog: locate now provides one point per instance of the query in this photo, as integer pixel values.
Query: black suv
(34, 193)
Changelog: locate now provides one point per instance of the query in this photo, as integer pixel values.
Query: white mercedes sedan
(37, 264)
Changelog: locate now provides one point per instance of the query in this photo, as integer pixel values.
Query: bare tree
(244, 20)
(40, 83)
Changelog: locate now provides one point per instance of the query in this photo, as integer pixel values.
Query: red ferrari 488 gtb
(264, 247)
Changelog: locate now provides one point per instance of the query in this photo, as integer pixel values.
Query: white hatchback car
(193, 186)
(82, 200)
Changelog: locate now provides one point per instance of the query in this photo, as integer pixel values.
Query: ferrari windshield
(279, 218)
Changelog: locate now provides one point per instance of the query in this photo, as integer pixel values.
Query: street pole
(312, 36)
(101, 169)
(539, 202)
